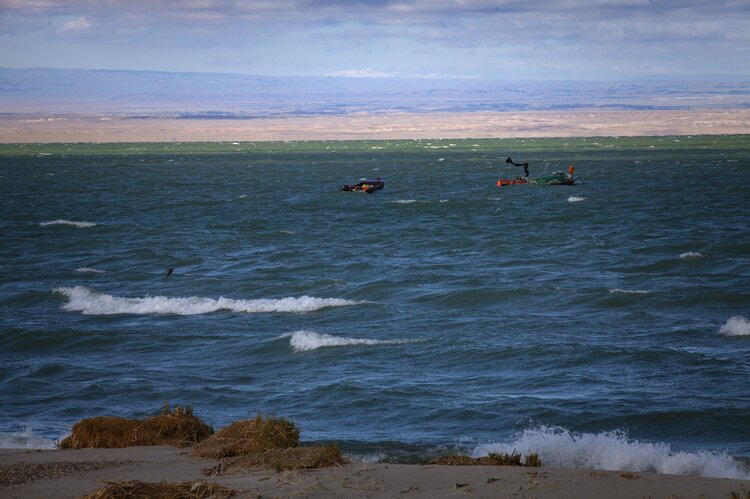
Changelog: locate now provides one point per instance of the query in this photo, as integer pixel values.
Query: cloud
(401, 38)
(386, 12)
(78, 24)
(383, 10)
(373, 73)
(31, 5)
(363, 73)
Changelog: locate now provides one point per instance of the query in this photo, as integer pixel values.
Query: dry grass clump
(251, 436)
(148, 490)
(172, 427)
(264, 443)
(493, 459)
(292, 458)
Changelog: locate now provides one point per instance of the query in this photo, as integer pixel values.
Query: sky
(477, 39)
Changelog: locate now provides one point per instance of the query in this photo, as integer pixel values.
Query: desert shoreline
(74, 473)
(66, 128)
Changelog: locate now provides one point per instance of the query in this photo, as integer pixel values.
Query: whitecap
(409, 201)
(736, 326)
(690, 255)
(91, 302)
(25, 439)
(89, 270)
(575, 199)
(305, 341)
(629, 291)
(80, 225)
(614, 450)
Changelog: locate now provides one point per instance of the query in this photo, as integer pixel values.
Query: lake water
(602, 325)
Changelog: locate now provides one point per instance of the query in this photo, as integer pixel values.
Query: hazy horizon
(686, 77)
(233, 95)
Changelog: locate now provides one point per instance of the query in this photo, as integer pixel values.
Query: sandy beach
(20, 128)
(74, 473)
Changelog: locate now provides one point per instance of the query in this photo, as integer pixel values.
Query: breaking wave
(80, 225)
(305, 341)
(614, 450)
(575, 199)
(25, 439)
(629, 291)
(90, 302)
(89, 270)
(736, 326)
(690, 255)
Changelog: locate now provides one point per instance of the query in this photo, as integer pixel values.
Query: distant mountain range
(232, 96)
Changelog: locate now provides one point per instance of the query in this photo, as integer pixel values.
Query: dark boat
(557, 178)
(514, 181)
(368, 186)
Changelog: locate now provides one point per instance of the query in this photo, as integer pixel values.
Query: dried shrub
(148, 490)
(532, 460)
(250, 436)
(178, 427)
(493, 459)
(293, 458)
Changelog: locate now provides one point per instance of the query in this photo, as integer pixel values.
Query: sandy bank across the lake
(20, 128)
(74, 473)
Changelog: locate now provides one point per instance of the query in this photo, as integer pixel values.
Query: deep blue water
(601, 325)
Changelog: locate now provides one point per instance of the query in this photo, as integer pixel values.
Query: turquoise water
(601, 325)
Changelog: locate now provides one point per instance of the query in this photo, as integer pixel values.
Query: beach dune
(20, 128)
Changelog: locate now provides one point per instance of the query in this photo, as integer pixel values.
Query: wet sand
(74, 473)
(19, 128)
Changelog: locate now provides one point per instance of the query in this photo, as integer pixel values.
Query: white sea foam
(305, 341)
(736, 326)
(80, 225)
(629, 291)
(25, 439)
(91, 302)
(614, 450)
(575, 199)
(690, 255)
(90, 270)
(410, 201)
(372, 458)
